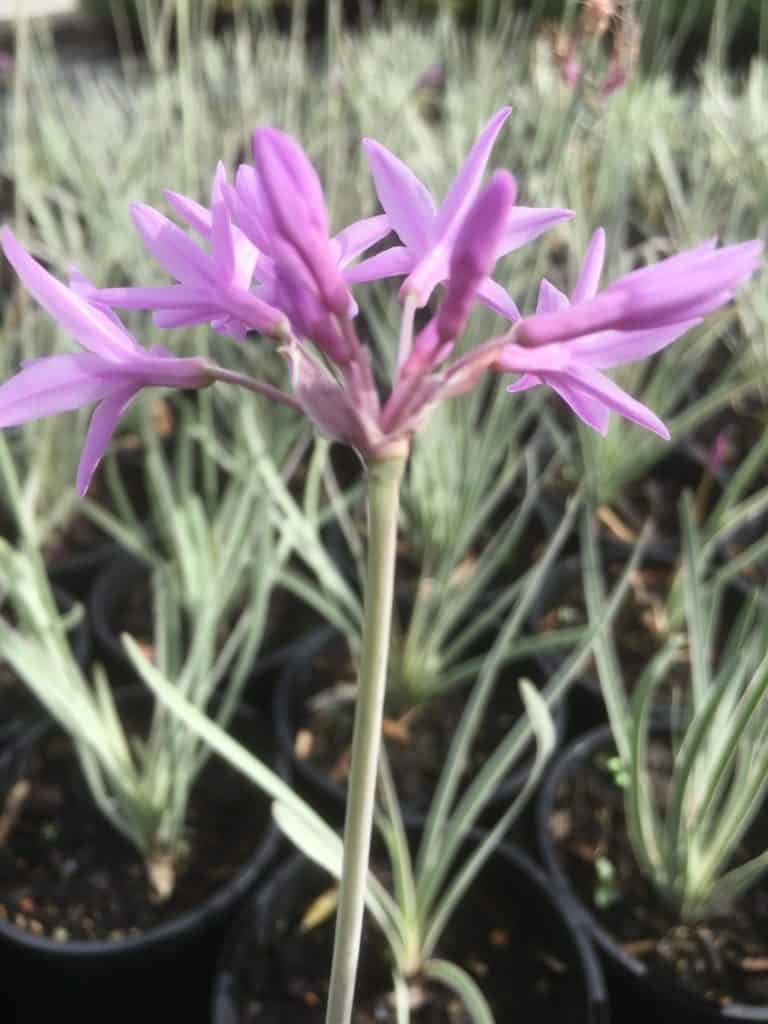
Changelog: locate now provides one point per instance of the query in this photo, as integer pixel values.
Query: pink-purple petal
(546, 359)
(466, 184)
(613, 348)
(591, 269)
(54, 384)
(390, 263)
(172, 248)
(168, 296)
(196, 215)
(185, 316)
(606, 391)
(586, 406)
(288, 180)
(223, 244)
(247, 207)
(358, 237)
(474, 253)
(94, 329)
(492, 295)
(406, 201)
(550, 299)
(102, 426)
(526, 223)
(524, 383)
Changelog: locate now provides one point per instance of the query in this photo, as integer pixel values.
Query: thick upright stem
(384, 475)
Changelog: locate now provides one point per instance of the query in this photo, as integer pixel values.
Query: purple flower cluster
(266, 262)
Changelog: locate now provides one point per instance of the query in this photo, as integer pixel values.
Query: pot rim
(190, 921)
(587, 961)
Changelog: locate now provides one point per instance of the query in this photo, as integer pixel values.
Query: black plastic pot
(77, 572)
(300, 681)
(263, 951)
(637, 994)
(163, 974)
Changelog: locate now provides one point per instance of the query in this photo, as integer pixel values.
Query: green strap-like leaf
(464, 985)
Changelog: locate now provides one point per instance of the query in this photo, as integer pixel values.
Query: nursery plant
(662, 829)
(267, 262)
(685, 843)
(223, 582)
(429, 883)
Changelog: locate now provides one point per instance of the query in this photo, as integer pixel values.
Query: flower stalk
(385, 472)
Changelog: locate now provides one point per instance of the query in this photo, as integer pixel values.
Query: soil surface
(508, 942)
(640, 628)
(723, 959)
(417, 740)
(65, 873)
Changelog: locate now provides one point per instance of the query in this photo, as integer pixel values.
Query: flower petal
(525, 382)
(602, 388)
(185, 316)
(473, 254)
(587, 407)
(54, 384)
(247, 207)
(466, 184)
(551, 299)
(102, 426)
(171, 248)
(95, 330)
(390, 263)
(526, 223)
(198, 218)
(591, 269)
(359, 236)
(169, 296)
(491, 294)
(289, 182)
(612, 348)
(515, 358)
(406, 201)
(223, 245)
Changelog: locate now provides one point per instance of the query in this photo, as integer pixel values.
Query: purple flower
(112, 370)
(279, 205)
(472, 259)
(213, 287)
(428, 233)
(566, 343)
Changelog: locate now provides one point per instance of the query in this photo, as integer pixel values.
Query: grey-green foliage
(211, 595)
(687, 834)
(425, 889)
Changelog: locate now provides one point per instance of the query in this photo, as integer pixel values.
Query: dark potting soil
(287, 619)
(417, 740)
(640, 627)
(521, 968)
(655, 496)
(66, 874)
(17, 704)
(723, 959)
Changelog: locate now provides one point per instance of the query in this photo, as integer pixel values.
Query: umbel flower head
(566, 344)
(267, 263)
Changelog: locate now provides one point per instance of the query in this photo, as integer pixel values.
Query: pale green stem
(384, 474)
(259, 387)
